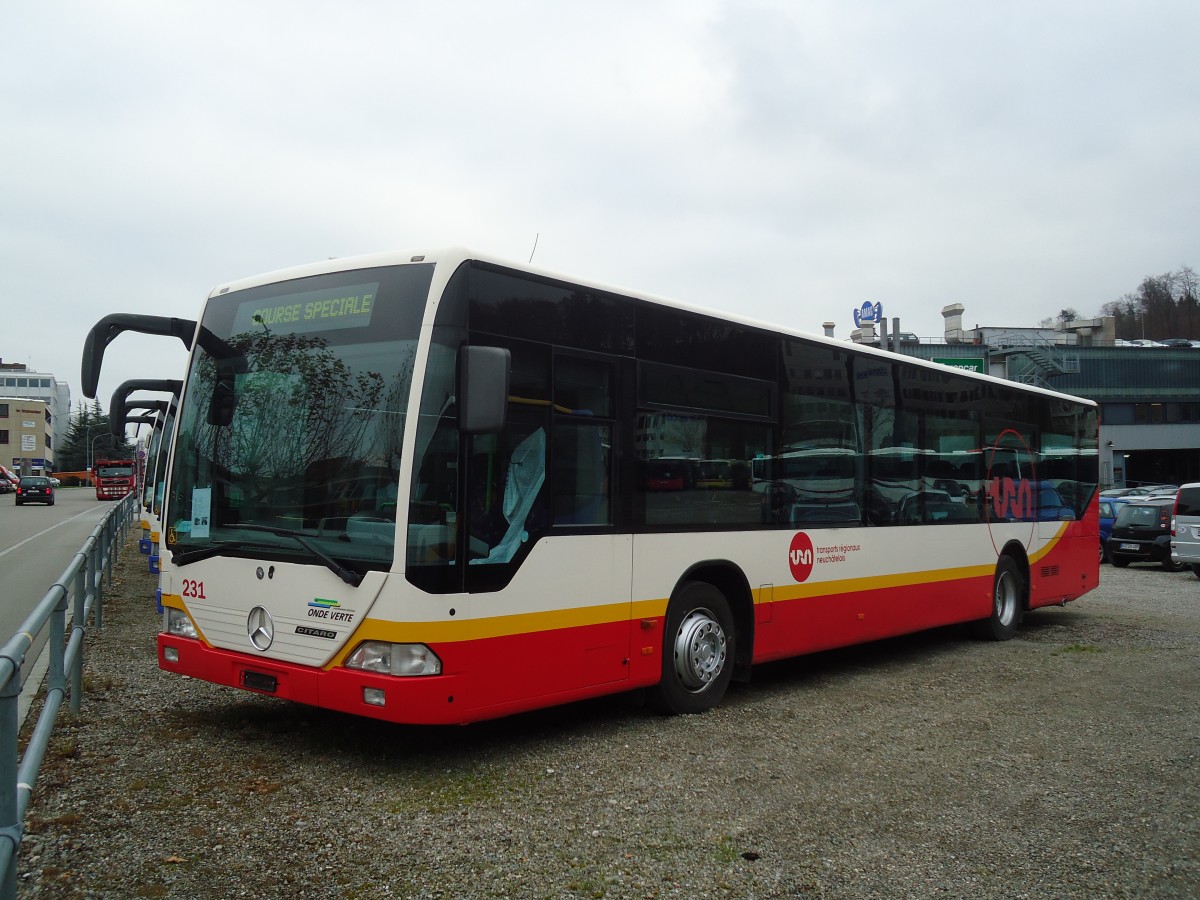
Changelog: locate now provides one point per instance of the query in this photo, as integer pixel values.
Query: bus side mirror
(104, 331)
(483, 390)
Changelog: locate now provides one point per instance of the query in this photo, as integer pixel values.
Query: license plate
(1131, 546)
(257, 681)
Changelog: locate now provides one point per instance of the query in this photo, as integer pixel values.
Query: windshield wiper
(347, 575)
(183, 557)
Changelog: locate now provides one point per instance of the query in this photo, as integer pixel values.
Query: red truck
(114, 478)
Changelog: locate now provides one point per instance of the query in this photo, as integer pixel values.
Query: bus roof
(451, 257)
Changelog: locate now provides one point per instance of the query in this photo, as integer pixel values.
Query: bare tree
(1164, 306)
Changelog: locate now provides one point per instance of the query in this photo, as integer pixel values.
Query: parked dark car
(35, 489)
(1142, 533)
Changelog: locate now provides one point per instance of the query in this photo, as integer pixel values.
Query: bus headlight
(394, 659)
(179, 623)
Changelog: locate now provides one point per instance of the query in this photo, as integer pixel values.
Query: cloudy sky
(782, 160)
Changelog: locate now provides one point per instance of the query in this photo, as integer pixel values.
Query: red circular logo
(801, 556)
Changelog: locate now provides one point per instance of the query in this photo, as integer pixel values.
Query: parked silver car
(1185, 527)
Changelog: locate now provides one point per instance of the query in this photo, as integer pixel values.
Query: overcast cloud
(782, 160)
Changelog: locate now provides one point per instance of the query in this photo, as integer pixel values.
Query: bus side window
(507, 505)
(505, 494)
(582, 444)
(581, 474)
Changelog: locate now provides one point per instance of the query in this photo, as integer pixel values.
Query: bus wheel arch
(1010, 596)
(706, 635)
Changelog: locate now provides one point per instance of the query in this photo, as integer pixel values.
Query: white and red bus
(414, 487)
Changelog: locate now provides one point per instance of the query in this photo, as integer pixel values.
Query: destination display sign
(350, 306)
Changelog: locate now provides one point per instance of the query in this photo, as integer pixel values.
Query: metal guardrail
(87, 573)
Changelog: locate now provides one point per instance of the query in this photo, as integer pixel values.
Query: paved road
(37, 543)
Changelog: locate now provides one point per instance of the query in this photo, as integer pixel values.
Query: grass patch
(96, 684)
(450, 790)
(66, 748)
(35, 824)
(727, 851)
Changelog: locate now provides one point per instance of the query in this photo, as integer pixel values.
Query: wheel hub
(1006, 599)
(700, 650)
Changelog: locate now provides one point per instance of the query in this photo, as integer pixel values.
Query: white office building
(17, 381)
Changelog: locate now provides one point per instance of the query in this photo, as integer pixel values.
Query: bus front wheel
(697, 655)
(1008, 589)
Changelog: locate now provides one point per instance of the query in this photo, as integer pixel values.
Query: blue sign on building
(868, 314)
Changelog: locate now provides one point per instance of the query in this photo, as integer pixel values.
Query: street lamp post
(90, 459)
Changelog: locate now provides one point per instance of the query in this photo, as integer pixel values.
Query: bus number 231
(193, 589)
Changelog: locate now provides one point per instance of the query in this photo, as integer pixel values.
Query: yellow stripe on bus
(462, 630)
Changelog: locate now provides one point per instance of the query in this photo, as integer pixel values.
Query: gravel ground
(1062, 763)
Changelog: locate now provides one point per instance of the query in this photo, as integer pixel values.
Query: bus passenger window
(581, 474)
(582, 441)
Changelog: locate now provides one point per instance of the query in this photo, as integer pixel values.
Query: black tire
(1119, 561)
(1103, 555)
(1008, 603)
(1196, 570)
(1171, 566)
(697, 653)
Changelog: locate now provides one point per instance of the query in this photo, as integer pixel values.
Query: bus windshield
(156, 462)
(290, 433)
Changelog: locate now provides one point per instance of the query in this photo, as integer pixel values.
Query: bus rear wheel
(697, 654)
(1008, 590)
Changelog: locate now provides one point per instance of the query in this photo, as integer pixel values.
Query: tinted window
(1140, 516)
(582, 440)
(544, 310)
(682, 388)
(1187, 501)
(812, 477)
(581, 465)
(506, 472)
(583, 386)
(695, 470)
(689, 339)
